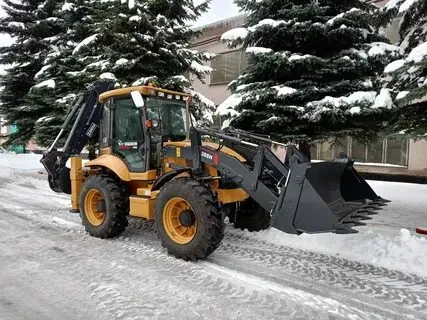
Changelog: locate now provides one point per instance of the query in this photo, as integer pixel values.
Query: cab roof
(145, 91)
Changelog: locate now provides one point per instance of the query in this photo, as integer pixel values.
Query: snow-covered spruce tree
(129, 42)
(312, 70)
(56, 88)
(31, 26)
(408, 76)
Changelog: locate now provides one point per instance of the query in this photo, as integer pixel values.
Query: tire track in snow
(149, 254)
(380, 283)
(416, 282)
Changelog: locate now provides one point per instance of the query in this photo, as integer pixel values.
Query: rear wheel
(188, 220)
(251, 216)
(104, 205)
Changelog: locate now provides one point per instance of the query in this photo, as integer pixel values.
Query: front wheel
(251, 216)
(188, 220)
(104, 205)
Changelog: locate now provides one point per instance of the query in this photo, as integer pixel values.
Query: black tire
(116, 199)
(210, 219)
(251, 216)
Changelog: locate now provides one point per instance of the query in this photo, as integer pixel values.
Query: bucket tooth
(362, 217)
(357, 223)
(367, 212)
(382, 200)
(345, 231)
(373, 207)
(378, 203)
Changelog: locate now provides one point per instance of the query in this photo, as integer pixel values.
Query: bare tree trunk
(304, 147)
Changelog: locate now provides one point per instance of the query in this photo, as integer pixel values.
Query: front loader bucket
(324, 197)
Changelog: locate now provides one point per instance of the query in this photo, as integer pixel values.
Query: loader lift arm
(85, 116)
(294, 194)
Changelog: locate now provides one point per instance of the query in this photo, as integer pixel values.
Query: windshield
(172, 116)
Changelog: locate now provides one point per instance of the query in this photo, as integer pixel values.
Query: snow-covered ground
(50, 268)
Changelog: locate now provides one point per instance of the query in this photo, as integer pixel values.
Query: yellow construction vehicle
(153, 163)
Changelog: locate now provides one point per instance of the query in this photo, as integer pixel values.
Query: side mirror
(137, 98)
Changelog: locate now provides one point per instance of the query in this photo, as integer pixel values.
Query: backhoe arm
(84, 119)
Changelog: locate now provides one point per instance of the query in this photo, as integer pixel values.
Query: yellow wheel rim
(93, 215)
(171, 221)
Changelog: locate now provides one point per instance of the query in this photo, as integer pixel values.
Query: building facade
(389, 157)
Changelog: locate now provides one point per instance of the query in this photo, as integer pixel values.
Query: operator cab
(135, 123)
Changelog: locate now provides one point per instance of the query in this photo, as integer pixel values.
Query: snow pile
(11, 164)
(394, 250)
(25, 162)
(235, 34)
(385, 242)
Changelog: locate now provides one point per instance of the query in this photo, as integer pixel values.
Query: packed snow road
(51, 269)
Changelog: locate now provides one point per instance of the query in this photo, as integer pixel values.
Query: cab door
(128, 134)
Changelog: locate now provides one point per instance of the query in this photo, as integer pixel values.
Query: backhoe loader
(154, 163)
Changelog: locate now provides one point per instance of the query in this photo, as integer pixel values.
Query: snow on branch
(14, 24)
(235, 34)
(359, 96)
(41, 71)
(284, 90)
(299, 57)
(108, 76)
(341, 15)
(403, 5)
(382, 48)
(67, 6)
(200, 68)
(85, 42)
(227, 108)
(46, 84)
(395, 65)
(416, 55)
(383, 100)
(258, 50)
(269, 22)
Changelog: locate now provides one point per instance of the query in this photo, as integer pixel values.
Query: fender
(165, 178)
(112, 163)
(119, 167)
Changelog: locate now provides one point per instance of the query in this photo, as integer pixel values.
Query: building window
(228, 66)
(388, 151)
